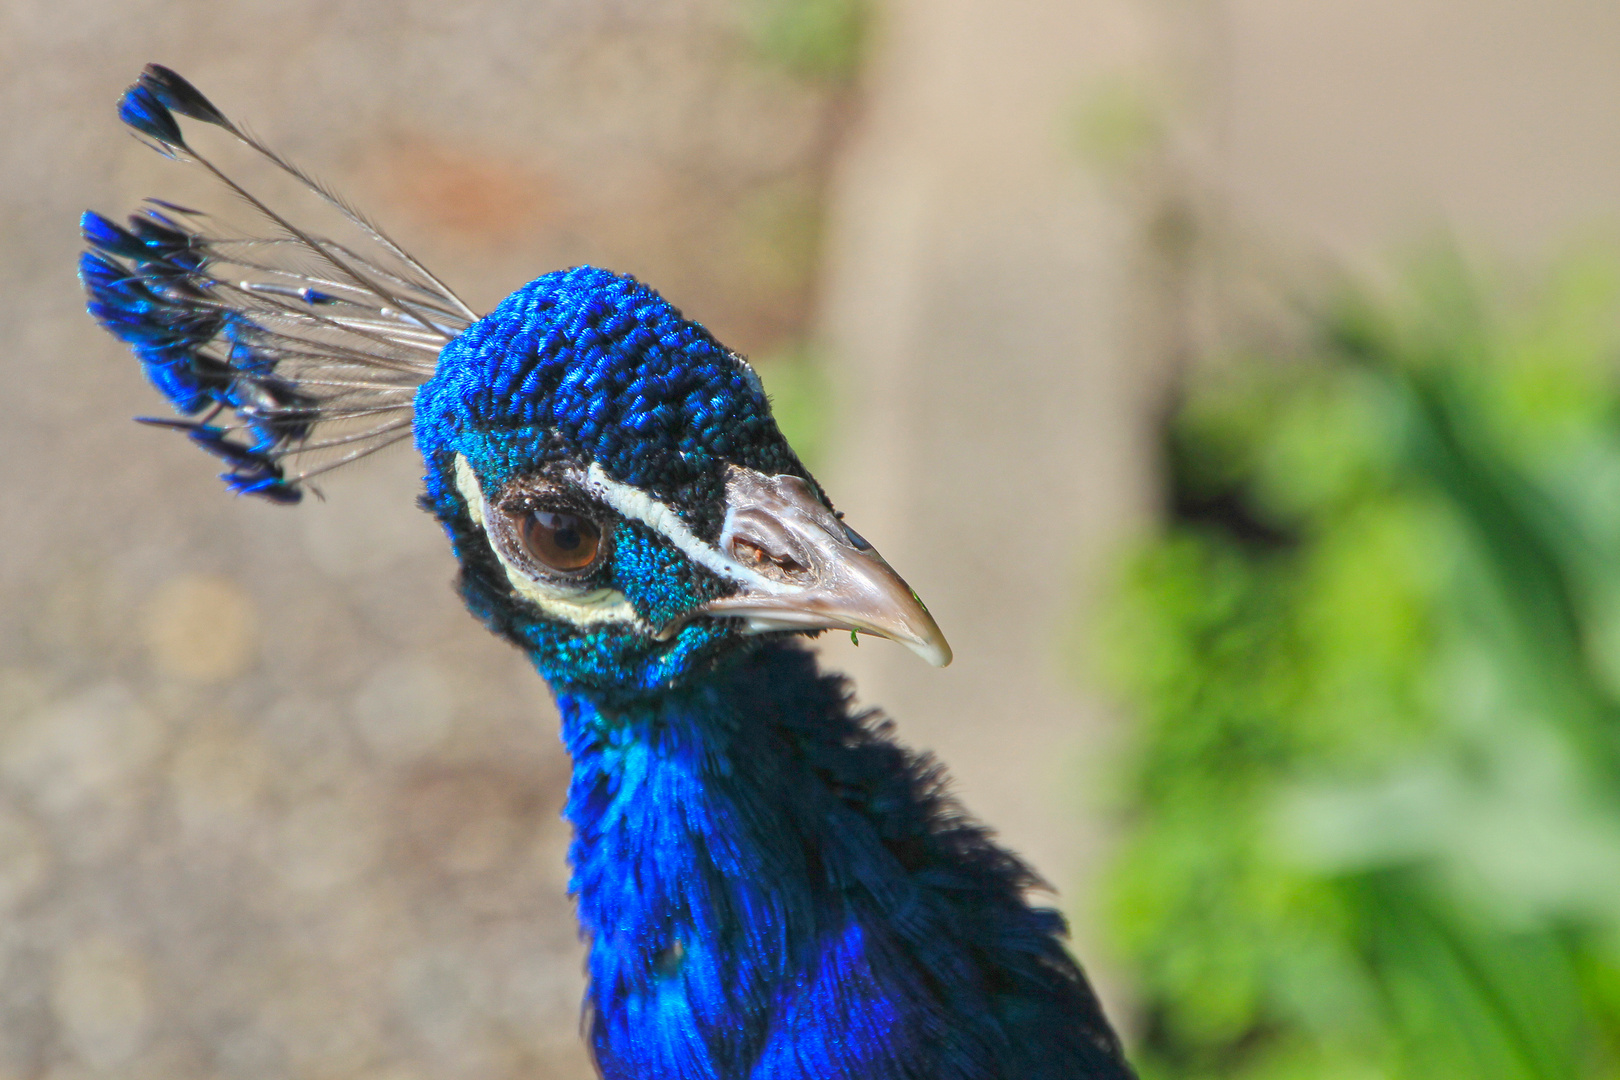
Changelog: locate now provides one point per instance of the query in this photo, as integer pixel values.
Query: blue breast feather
(773, 888)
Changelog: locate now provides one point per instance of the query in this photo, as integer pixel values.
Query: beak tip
(936, 652)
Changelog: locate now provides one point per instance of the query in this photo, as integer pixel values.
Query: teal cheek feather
(655, 577)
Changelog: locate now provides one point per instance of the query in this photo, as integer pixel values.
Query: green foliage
(818, 39)
(1373, 818)
(1116, 124)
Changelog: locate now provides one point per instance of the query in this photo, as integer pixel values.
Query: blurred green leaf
(820, 39)
(1117, 124)
(1373, 816)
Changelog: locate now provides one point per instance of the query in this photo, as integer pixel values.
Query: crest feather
(289, 352)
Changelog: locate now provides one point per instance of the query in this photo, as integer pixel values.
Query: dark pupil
(561, 541)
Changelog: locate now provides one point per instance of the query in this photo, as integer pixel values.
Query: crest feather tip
(178, 95)
(140, 109)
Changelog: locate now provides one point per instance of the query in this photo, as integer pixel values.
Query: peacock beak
(806, 570)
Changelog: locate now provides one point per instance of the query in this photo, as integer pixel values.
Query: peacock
(770, 886)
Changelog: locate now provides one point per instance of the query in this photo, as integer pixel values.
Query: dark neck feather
(773, 888)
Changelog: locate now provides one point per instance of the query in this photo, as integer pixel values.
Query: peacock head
(621, 501)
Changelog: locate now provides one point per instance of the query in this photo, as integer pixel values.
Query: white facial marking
(586, 608)
(637, 504)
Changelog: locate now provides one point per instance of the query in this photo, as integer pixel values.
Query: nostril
(755, 557)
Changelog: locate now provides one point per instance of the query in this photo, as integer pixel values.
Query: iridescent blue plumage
(774, 889)
(771, 887)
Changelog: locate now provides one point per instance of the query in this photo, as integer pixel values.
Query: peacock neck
(715, 844)
(772, 888)
(706, 857)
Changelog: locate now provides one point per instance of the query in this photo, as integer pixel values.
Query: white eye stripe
(590, 608)
(639, 506)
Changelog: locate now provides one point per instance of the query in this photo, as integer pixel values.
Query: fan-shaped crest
(288, 352)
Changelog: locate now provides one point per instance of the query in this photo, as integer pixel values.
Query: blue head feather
(584, 367)
(589, 365)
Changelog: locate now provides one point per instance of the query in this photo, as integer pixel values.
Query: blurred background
(1235, 378)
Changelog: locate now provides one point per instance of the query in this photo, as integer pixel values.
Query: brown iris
(560, 540)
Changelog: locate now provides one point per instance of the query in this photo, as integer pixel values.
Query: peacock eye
(561, 540)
